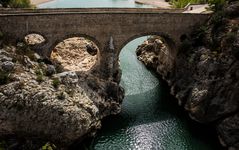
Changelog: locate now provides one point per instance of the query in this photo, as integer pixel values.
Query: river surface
(150, 118)
(92, 3)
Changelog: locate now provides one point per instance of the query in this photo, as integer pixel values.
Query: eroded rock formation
(205, 75)
(38, 101)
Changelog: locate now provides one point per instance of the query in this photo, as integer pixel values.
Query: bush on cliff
(183, 3)
(214, 4)
(16, 3)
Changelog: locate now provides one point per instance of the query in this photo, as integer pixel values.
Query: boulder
(7, 66)
(50, 70)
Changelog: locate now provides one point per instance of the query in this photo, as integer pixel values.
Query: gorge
(162, 126)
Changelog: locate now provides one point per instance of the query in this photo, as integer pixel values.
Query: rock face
(205, 76)
(76, 54)
(65, 107)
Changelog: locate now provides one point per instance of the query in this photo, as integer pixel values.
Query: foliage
(40, 75)
(183, 3)
(16, 3)
(24, 49)
(56, 82)
(48, 146)
(39, 78)
(216, 5)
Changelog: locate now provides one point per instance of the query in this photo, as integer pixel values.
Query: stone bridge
(110, 28)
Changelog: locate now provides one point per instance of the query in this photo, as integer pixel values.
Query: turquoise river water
(150, 118)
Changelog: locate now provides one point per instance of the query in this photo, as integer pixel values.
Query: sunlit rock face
(204, 79)
(76, 54)
(38, 100)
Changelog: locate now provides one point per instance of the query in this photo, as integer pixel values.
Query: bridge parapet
(8, 11)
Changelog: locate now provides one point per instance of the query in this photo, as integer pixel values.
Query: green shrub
(39, 78)
(183, 3)
(49, 146)
(24, 49)
(56, 82)
(16, 3)
(40, 75)
(216, 5)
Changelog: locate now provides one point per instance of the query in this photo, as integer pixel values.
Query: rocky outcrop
(205, 77)
(36, 101)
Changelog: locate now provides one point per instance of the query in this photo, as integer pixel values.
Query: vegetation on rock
(16, 3)
(214, 4)
(183, 3)
(56, 82)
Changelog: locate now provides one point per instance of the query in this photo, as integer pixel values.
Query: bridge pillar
(44, 49)
(108, 68)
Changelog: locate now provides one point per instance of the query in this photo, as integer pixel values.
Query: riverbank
(37, 2)
(156, 3)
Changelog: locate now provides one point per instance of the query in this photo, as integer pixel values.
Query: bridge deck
(8, 11)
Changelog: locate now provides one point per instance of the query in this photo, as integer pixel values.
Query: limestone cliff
(39, 102)
(205, 74)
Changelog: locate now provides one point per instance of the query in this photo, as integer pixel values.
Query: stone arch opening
(34, 39)
(167, 41)
(75, 53)
(152, 50)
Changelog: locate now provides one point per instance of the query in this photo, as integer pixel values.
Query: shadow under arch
(168, 41)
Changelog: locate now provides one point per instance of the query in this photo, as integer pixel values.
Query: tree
(16, 3)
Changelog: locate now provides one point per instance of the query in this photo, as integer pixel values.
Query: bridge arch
(67, 36)
(170, 43)
(164, 57)
(75, 52)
